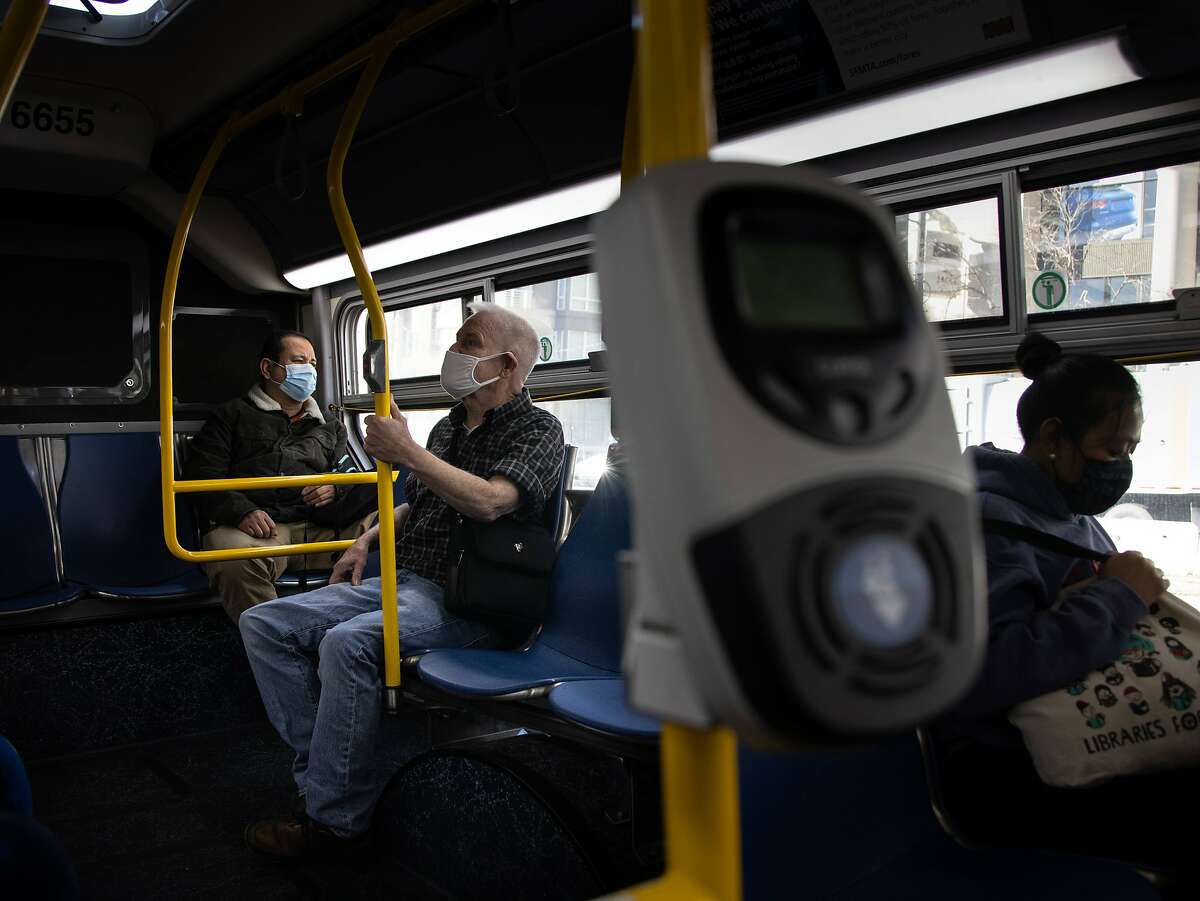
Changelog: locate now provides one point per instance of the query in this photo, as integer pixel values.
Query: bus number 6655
(51, 117)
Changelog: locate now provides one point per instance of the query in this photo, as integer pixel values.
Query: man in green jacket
(275, 429)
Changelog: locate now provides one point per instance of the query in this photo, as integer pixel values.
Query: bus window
(420, 423)
(1125, 239)
(565, 310)
(417, 339)
(953, 256)
(586, 424)
(1160, 514)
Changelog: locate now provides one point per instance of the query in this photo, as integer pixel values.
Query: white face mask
(458, 374)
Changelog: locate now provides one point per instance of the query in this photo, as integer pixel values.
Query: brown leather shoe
(289, 836)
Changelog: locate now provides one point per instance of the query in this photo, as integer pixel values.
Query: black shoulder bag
(500, 569)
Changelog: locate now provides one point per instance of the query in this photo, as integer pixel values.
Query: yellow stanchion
(383, 397)
(285, 103)
(17, 35)
(670, 118)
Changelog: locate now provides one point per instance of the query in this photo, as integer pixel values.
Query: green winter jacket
(252, 436)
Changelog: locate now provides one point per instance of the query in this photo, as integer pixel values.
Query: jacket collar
(1018, 478)
(508, 411)
(262, 400)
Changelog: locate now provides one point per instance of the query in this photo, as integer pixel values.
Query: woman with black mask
(1081, 420)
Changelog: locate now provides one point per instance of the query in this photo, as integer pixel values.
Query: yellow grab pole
(674, 84)
(383, 397)
(166, 399)
(671, 117)
(285, 103)
(17, 35)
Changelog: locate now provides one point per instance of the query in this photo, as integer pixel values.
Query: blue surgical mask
(300, 381)
(1104, 482)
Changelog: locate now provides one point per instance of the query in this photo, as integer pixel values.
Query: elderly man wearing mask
(493, 455)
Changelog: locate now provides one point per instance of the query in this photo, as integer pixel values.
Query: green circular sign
(1049, 290)
(547, 350)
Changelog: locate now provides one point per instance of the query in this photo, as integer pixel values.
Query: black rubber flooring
(165, 820)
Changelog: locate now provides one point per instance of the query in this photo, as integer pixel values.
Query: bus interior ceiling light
(1030, 81)
(124, 8)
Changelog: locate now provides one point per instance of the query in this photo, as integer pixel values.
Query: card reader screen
(789, 281)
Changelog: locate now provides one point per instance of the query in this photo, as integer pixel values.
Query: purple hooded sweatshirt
(1033, 646)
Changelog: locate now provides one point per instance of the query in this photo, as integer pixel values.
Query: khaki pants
(244, 583)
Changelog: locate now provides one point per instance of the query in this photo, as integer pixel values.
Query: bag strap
(1045, 541)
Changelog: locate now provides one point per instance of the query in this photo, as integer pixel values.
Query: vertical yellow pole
(674, 84)
(383, 399)
(166, 322)
(16, 40)
(671, 118)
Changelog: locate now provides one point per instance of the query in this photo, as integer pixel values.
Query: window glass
(418, 338)
(586, 424)
(565, 312)
(1160, 514)
(420, 423)
(953, 256)
(1121, 240)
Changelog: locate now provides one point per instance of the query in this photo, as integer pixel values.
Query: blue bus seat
(858, 823)
(33, 863)
(30, 577)
(15, 794)
(557, 508)
(110, 510)
(581, 638)
(600, 704)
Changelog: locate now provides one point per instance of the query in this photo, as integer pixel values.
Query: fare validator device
(808, 564)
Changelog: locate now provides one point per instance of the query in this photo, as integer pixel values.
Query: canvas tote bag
(1139, 714)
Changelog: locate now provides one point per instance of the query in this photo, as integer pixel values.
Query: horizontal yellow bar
(254, 483)
(246, 553)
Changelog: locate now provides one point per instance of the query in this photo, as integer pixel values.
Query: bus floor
(164, 820)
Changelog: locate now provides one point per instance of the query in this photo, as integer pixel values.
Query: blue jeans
(328, 712)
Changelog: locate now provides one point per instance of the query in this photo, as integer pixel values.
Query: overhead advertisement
(875, 40)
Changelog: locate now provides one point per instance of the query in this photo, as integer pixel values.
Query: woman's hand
(1138, 573)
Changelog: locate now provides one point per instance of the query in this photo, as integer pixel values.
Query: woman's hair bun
(1036, 354)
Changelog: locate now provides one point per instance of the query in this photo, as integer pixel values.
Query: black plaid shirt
(516, 440)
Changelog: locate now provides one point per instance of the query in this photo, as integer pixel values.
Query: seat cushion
(61, 594)
(189, 582)
(600, 704)
(464, 671)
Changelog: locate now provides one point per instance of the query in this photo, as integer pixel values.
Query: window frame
(547, 381)
(90, 243)
(996, 188)
(1004, 168)
(1130, 330)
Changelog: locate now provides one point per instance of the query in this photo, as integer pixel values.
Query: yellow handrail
(17, 35)
(283, 103)
(383, 397)
(670, 114)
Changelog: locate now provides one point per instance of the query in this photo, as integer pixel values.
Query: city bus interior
(1040, 161)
